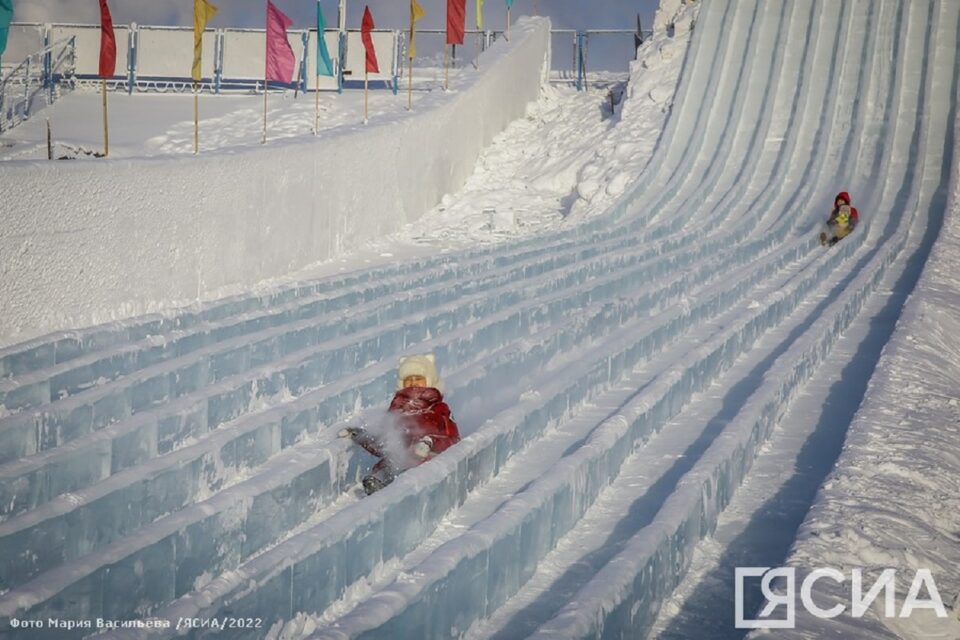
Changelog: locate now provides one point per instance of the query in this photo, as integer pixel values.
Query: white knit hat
(419, 365)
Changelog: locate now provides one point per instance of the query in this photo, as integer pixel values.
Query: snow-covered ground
(155, 124)
(659, 373)
(162, 124)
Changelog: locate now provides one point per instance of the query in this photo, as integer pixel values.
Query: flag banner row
(279, 60)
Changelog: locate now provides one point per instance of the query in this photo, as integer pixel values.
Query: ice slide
(616, 381)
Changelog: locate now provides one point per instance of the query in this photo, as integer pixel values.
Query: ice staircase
(186, 466)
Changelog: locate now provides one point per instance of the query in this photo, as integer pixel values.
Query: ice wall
(89, 242)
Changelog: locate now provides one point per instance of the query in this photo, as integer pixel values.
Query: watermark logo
(780, 608)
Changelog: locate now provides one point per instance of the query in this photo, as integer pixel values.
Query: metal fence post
(637, 37)
(342, 55)
(397, 55)
(73, 62)
(47, 79)
(584, 52)
(217, 60)
(305, 39)
(131, 58)
(26, 91)
(575, 56)
(581, 71)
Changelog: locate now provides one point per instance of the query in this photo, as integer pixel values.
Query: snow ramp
(615, 381)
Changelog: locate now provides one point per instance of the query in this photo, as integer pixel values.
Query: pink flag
(280, 58)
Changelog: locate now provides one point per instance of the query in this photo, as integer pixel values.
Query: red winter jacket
(845, 197)
(421, 412)
(425, 414)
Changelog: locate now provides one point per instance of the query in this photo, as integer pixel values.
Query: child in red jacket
(418, 425)
(843, 220)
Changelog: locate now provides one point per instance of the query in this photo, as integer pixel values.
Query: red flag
(365, 28)
(456, 20)
(108, 43)
(280, 60)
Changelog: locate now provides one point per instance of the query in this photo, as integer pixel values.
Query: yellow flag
(416, 12)
(479, 14)
(202, 12)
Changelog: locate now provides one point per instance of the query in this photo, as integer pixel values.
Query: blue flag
(324, 64)
(6, 15)
(509, 3)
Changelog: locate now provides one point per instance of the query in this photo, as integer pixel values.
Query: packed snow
(659, 373)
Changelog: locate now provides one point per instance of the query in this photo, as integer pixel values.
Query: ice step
(554, 307)
(29, 432)
(473, 464)
(188, 418)
(48, 385)
(612, 366)
(529, 524)
(28, 482)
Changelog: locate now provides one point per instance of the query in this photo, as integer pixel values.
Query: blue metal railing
(133, 78)
(43, 74)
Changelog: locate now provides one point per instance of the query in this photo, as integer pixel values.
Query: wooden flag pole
(479, 40)
(366, 95)
(316, 121)
(265, 86)
(106, 128)
(536, 8)
(508, 23)
(446, 67)
(196, 120)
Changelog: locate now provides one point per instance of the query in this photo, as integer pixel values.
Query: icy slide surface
(615, 381)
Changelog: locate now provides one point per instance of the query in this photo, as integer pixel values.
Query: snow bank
(893, 500)
(626, 149)
(88, 242)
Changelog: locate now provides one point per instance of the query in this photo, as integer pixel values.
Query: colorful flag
(324, 64)
(456, 20)
(509, 4)
(203, 11)
(479, 14)
(416, 12)
(108, 43)
(367, 26)
(6, 15)
(280, 58)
